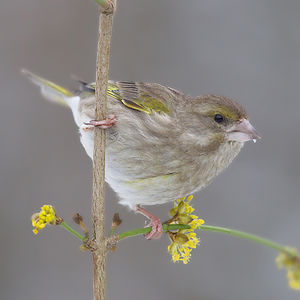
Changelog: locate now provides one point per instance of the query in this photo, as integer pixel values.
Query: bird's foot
(155, 223)
(157, 229)
(104, 124)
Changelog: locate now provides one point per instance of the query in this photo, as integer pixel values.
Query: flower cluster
(290, 260)
(46, 216)
(184, 240)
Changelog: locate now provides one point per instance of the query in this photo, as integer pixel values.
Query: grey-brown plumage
(156, 158)
(164, 145)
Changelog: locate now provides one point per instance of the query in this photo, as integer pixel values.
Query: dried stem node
(108, 7)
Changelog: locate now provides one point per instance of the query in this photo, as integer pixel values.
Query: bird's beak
(242, 132)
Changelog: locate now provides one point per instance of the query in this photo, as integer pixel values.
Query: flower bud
(184, 219)
(180, 238)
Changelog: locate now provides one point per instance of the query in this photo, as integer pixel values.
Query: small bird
(161, 144)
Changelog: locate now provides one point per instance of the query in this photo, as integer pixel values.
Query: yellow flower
(290, 260)
(294, 278)
(46, 216)
(183, 241)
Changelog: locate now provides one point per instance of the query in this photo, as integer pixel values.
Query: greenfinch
(161, 144)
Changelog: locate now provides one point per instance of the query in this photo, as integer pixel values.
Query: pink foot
(155, 223)
(104, 124)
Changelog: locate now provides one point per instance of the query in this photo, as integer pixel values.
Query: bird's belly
(155, 174)
(141, 179)
(145, 191)
(134, 174)
(151, 190)
(87, 140)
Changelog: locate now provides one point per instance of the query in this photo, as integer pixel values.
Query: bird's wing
(145, 97)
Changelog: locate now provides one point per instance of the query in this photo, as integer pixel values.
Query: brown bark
(98, 207)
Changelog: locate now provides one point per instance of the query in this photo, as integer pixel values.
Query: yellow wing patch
(113, 92)
(144, 102)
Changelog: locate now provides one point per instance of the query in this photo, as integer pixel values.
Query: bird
(161, 144)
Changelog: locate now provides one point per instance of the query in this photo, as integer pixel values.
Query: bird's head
(220, 118)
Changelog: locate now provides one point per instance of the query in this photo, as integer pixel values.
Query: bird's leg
(104, 124)
(155, 223)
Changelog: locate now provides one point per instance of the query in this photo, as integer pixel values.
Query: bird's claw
(104, 124)
(157, 229)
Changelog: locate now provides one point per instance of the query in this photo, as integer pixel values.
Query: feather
(50, 90)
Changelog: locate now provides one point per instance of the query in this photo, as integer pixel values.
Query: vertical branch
(98, 207)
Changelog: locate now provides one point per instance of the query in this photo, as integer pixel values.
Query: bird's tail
(50, 90)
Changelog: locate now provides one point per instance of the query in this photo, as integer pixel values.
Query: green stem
(166, 227)
(101, 2)
(74, 232)
(247, 236)
(148, 229)
(106, 5)
(112, 231)
(130, 233)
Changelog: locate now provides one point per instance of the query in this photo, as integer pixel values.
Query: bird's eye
(218, 118)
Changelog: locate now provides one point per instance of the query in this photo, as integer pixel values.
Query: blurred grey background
(247, 50)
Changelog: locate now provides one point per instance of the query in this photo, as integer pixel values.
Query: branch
(107, 6)
(146, 230)
(228, 231)
(248, 236)
(98, 207)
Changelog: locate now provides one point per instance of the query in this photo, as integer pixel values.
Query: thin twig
(98, 207)
(107, 6)
(223, 230)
